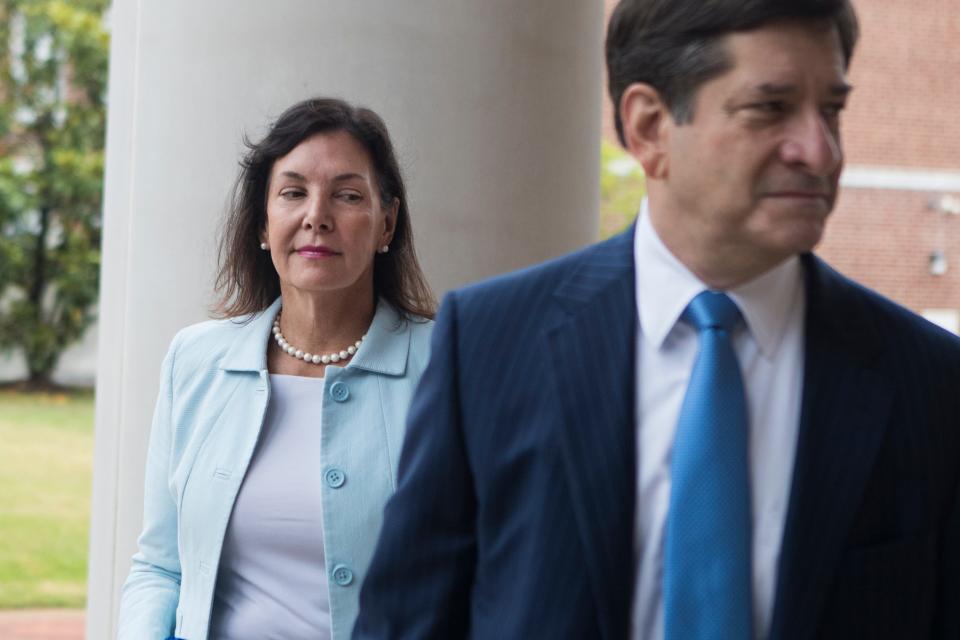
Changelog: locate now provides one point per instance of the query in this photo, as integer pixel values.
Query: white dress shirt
(769, 347)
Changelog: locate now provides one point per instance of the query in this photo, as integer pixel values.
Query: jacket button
(339, 392)
(342, 575)
(335, 477)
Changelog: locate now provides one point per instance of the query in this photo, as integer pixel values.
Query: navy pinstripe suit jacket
(513, 516)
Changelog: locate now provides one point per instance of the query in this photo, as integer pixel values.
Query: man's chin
(803, 238)
(791, 236)
(798, 227)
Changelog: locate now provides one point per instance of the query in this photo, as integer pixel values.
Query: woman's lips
(316, 252)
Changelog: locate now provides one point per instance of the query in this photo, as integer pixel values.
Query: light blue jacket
(213, 397)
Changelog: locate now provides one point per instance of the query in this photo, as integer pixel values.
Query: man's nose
(813, 143)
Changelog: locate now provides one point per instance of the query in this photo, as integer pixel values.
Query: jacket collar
(384, 350)
(387, 344)
(249, 349)
(591, 345)
(608, 264)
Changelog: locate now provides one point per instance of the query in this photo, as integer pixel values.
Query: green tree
(622, 187)
(53, 76)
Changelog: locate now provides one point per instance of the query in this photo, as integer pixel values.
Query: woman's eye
(350, 197)
(291, 194)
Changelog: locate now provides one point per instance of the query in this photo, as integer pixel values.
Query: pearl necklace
(313, 358)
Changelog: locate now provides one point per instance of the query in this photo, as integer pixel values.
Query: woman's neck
(325, 322)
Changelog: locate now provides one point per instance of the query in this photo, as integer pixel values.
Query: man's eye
(833, 110)
(771, 107)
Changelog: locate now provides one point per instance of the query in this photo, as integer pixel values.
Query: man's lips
(316, 252)
(797, 194)
(800, 198)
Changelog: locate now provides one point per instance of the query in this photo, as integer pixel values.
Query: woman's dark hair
(246, 279)
(675, 45)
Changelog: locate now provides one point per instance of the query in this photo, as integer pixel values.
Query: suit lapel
(843, 418)
(592, 347)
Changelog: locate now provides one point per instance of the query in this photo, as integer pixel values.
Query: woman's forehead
(327, 155)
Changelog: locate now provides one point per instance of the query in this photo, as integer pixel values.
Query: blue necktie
(707, 577)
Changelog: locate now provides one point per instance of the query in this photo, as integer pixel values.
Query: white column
(494, 106)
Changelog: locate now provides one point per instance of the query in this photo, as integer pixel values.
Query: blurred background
(500, 115)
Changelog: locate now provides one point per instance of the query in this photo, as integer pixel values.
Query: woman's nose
(317, 215)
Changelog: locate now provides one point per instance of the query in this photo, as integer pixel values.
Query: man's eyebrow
(841, 90)
(775, 89)
(781, 89)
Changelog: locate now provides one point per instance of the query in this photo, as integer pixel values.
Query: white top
(272, 580)
(770, 351)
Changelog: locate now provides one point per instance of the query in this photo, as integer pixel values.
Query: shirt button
(339, 392)
(335, 477)
(342, 575)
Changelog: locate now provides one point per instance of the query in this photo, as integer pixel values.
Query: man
(696, 429)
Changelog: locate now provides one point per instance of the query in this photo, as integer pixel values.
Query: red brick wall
(906, 78)
(904, 113)
(883, 239)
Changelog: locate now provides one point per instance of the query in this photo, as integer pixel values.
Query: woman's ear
(262, 236)
(646, 121)
(390, 222)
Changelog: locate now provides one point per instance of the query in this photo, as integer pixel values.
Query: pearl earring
(264, 246)
(385, 248)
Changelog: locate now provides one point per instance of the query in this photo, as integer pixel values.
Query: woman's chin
(323, 286)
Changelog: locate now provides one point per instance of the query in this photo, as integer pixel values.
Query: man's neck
(719, 264)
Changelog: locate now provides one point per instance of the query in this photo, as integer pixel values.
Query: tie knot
(712, 310)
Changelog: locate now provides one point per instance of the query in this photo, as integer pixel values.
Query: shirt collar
(665, 287)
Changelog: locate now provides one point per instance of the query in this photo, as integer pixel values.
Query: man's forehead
(775, 57)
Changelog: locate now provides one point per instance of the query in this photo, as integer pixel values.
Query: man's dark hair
(675, 45)
(246, 280)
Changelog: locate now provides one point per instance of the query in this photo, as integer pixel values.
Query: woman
(277, 430)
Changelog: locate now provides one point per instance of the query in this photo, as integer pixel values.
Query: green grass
(46, 448)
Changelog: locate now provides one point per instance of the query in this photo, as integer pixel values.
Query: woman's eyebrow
(294, 175)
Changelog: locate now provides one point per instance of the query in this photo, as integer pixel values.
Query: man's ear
(646, 122)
